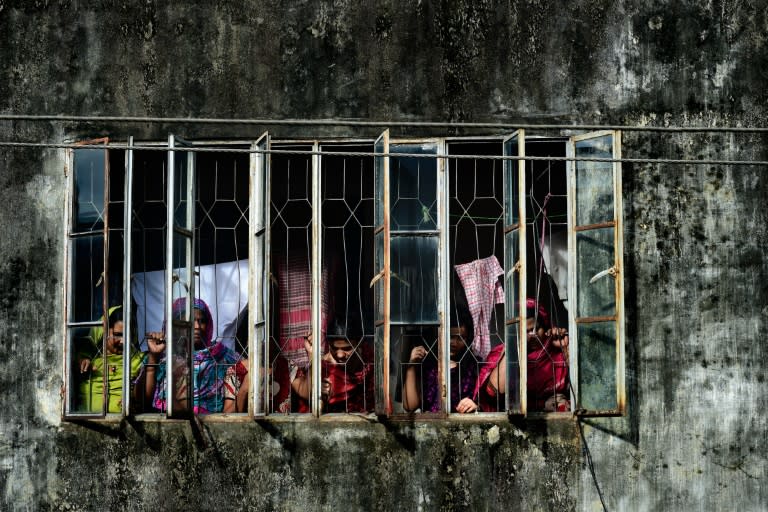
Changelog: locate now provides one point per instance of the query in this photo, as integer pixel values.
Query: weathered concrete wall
(695, 238)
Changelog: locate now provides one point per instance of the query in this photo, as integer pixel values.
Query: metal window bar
(128, 324)
(291, 239)
(179, 277)
(258, 291)
(476, 230)
(148, 214)
(347, 224)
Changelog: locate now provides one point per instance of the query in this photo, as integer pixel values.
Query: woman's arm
(497, 380)
(156, 346)
(411, 394)
(302, 384)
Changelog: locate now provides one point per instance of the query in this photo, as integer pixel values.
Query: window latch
(177, 279)
(392, 274)
(376, 278)
(515, 268)
(607, 272)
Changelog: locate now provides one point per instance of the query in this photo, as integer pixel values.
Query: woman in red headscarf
(547, 349)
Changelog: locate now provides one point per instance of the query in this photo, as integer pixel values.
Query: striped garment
(480, 279)
(294, 277)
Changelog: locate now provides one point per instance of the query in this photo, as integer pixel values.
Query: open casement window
(409, 196)
(87, 393)
(180, 278)
(259, 288)
(515, 271)
(595, 274)
(380, 282)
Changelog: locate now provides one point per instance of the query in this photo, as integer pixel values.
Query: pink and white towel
(480, 279)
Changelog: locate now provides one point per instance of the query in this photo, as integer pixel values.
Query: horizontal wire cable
(380, 124)
(188, 149)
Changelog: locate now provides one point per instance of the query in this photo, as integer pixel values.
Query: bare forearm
(498, 377)
(411, 395)
(301, 385)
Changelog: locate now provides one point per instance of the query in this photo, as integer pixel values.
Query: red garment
(547, 376)
(547, 373)
(351, 382)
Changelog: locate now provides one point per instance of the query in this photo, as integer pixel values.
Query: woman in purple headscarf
(218, 372)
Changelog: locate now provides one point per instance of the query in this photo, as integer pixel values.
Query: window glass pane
(594, 181)
(378, 375)
(85, 383)
(379, 182)
(87, 278)
(149, 211)
(511, 278)
(180, 363)
(511, 175)
(594, 254)
(597, 366)
(414, 279)
(413, 188)
(378, 264)
(182, 275)
(259, 380)
(89, 190)
(512, 368)
(181, 208)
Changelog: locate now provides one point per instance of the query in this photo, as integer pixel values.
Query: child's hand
(85, 365)
(418, 354)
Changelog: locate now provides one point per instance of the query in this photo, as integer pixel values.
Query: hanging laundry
(480, 279)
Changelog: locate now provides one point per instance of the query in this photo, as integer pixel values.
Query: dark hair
(460, 317)
(344, 327)
(115, 316)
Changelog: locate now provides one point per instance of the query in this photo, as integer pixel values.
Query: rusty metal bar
(599, 225)
(595, 319)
